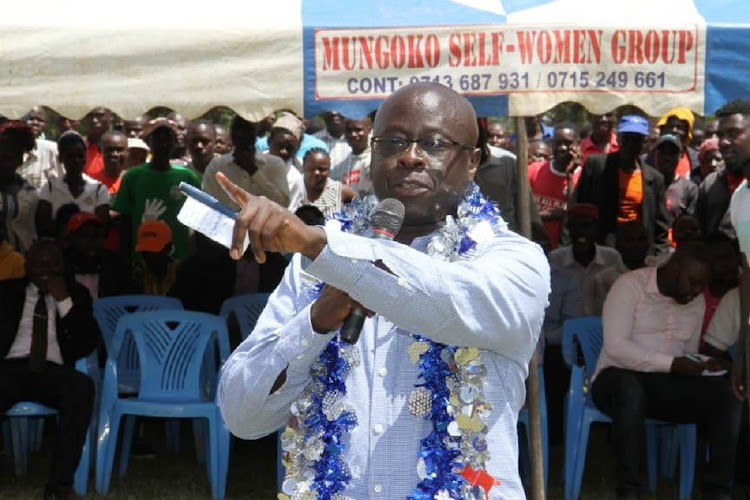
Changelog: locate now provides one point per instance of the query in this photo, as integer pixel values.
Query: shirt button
(378, 488)
(378, 428)
(304, 342)
(354, 261)
(301, 356)
(383, 371)
(401, 282)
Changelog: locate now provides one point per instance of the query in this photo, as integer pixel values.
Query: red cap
(708, 145)
(80, 218)
(585, 209)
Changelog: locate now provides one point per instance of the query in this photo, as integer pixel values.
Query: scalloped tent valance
(512, 56)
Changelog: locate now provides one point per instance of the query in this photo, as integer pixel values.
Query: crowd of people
(634, 217)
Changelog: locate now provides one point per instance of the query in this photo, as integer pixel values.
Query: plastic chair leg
(105, 456)
(545, 449)
(81, 478)
(580, 459)
(652, 462)
(20, 443)
(687, 438)
(199, 438)
(214, 445)
(36, 430)
(172, 430)
(669, 451)
(224, 450)
(572, 430)
(127, 443)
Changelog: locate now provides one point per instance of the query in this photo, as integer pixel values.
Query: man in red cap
(103, 272)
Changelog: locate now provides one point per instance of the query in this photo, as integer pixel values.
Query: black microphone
(386, 223)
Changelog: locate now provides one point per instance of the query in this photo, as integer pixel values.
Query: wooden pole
(532, 393)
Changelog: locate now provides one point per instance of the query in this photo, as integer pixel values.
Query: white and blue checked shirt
(493, 299)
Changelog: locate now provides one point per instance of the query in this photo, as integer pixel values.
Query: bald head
(446, 104)
(424, 151)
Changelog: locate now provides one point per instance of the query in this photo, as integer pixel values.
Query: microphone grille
(389, 215)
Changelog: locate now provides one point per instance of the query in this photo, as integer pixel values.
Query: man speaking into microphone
(425, 404)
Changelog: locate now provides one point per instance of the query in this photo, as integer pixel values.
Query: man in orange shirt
(97, 122)
(552, 181)
(602, 138)
(625, 189)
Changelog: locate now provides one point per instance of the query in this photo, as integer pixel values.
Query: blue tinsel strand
(331, 474)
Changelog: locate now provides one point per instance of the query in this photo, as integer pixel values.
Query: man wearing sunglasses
(486, 300)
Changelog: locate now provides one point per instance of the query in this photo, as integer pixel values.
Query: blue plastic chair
(172, 347)
(523, 422)
(246, 309)
(108, 311)
(586, 333)
(23, 417)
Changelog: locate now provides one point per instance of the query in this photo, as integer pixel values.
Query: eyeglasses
(388, 147)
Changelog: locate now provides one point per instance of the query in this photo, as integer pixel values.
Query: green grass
(252, 472)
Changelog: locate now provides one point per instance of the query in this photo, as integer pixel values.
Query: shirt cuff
(64, 307)
(718, 343)
(663, 362)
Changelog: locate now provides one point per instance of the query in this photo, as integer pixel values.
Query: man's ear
(476, 157)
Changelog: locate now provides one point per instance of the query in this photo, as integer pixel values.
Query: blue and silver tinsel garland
(449, 391)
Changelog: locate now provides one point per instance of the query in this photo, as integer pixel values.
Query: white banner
(590, 65)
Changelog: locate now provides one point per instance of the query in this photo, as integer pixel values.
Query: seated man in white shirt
(575, 293)
(652, 324)
(46, 324)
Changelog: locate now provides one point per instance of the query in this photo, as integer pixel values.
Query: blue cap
(633, 123)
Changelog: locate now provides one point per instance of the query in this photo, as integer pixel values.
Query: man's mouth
(410, 188)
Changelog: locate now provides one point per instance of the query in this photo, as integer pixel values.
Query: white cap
(137, 144)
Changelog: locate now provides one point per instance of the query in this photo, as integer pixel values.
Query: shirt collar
(652, 286)
(555, 171)
(569, 260)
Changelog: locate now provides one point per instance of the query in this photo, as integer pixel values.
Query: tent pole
(532, 393)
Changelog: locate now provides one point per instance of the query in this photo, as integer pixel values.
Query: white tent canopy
(72, 55)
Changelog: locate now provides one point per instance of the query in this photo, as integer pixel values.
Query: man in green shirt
(150, 191)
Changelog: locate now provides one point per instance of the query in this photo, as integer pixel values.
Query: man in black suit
(624, 188)
(46, 324)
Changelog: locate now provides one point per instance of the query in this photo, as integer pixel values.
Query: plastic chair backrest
(246, 309)
(172, 347)
(109, 310)
(587, 334)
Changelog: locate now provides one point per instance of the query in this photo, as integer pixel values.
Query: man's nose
(412, 157)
